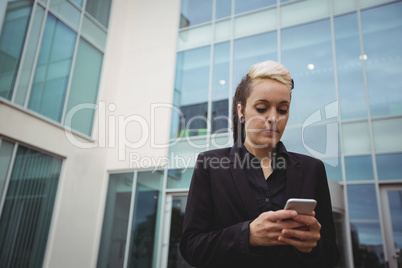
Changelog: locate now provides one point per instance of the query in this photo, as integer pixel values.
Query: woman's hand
(267, 229)
(304, 239)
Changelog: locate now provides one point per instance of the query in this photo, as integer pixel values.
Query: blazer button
(267, 199)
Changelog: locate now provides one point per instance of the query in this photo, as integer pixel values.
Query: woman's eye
(260, 110)
(283, 111)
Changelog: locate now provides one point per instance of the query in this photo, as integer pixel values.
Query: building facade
(104, 106)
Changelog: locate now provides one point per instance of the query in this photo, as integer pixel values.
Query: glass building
(104, 106)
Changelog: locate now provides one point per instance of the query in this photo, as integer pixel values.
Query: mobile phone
(301, 205)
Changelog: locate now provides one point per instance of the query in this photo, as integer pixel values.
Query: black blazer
(221, 205)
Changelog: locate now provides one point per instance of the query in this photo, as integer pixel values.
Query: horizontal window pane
(179, 178)
(359, 168)
(356, 138)
(291, 15)
(387, 135)
(389, 166)
(255, 23)
(244, 6)
(194, 37)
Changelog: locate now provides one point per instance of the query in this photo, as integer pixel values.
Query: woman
(234, 215)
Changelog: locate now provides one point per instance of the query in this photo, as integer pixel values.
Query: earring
(242, 120)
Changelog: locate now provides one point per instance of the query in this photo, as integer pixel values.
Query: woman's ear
(240, 110)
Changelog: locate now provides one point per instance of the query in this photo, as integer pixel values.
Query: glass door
(173, 225)
(392, 209)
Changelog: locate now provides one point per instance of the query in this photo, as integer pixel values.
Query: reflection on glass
(387, 135)
(382, 47)
(359, 168)
(223, 8)
(179, 178)
(334, 172)
(144, 228)
(251, 50)
(28, 209)
(395, 206)
(307, 53)
(115, 221)
(356, 139)
(349, 66)
(340, 237)
(12, 39)
(389, 166)
(100, 10)
(176, 228)
(220, 88)
(84, 86)
(194, 12)
(191, 93)
(365, 226)
(53, 69)
(244, 6)
(6, 151)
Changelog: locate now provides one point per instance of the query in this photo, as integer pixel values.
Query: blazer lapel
(241, 181)
(294, 178)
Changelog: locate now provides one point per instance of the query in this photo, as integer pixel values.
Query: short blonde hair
(271, 70)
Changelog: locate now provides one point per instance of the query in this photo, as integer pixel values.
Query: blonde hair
(271, 70)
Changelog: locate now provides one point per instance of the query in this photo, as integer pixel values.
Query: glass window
(145, 233)
(356, 139)
(255, 23)
(359, 168)
(84, 87)
(223, 8)
(334, 172)
(365, 226)
(307, 53)
(389, 166)
(387, 135)
(194, 12)
(383, 56)
(13, 33)
(27, 65)
(66, 11)
(78, 2)
(251, 50)
(100, 10)
(53, 69)
(220, 88)
(115, 220)
(191, 92)
(6, 151)
(244, 6)
(28, 208)
(349, 66)
(179, 178)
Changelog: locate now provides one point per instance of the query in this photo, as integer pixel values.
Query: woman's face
(266, 113)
